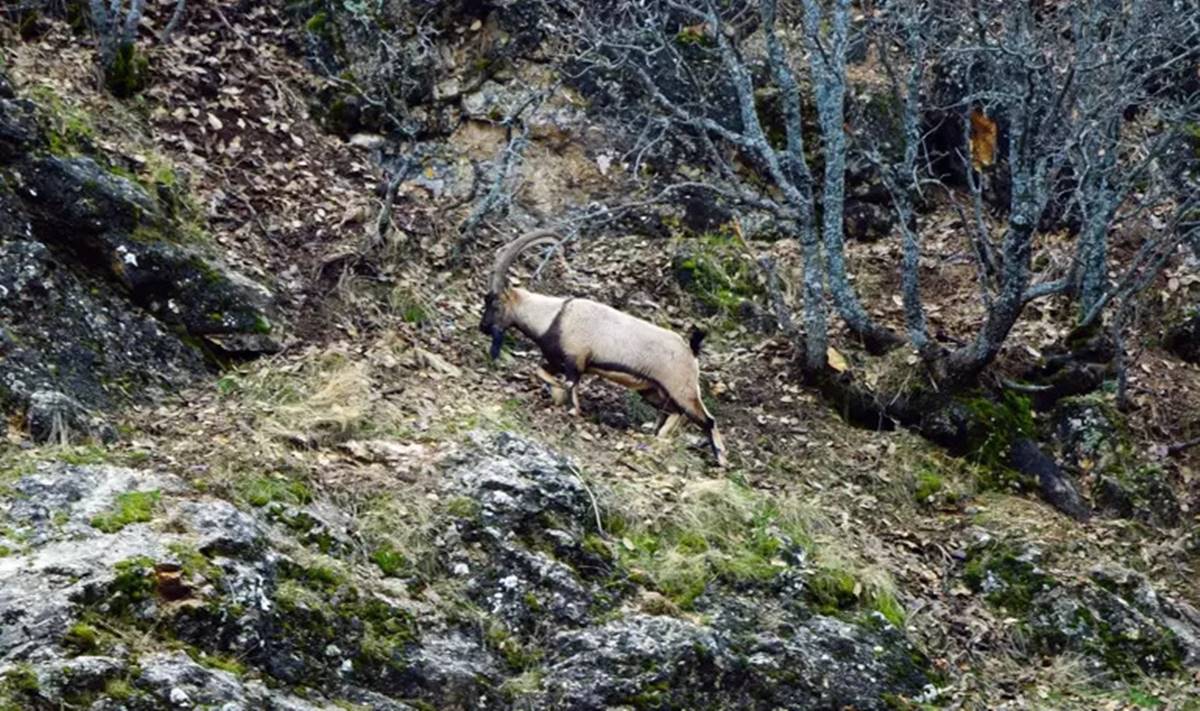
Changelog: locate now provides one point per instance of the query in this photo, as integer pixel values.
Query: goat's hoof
(558, 395)
(574, 412)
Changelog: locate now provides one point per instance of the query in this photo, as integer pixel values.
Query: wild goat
(579, 336)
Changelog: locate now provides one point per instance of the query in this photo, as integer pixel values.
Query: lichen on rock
(235, 607)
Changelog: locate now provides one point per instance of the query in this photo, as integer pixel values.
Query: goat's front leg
(573, 373)
(557, 394)
(573, 390)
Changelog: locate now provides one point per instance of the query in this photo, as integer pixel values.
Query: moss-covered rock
(1143, 494)
(1114, 617)
(100, 303)
(1090, 433)
(1106, 626)
(527, 603)
(1007, 574)
(1093, 440)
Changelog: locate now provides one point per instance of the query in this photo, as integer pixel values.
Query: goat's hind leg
(668, 423)
(699, 414)
(668, 413)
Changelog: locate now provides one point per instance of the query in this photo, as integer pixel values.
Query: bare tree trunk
(797, 172)
(965, 364)
(828, 62)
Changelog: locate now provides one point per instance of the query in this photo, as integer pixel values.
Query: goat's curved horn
(509, 253)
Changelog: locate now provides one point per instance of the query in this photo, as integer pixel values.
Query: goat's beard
(497, 341)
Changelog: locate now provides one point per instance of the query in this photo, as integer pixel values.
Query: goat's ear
(497, 342)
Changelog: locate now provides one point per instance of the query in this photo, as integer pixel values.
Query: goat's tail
(696, 339)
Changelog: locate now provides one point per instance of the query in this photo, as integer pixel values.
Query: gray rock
(1114, 618)
(533, 514)
(18, 125)
(664, 662)
(67, 561)
(217, 581)
(1119, 636)
(660, 661)
(55, 417)
(114, 224)
(452, 666)
(176, 681)
(1087, 430)
(1142, 494)
(829, 663)
(1091, 438)
(96, 286)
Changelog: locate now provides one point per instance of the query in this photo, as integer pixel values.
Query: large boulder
(1119, 620)
(527, 549)
(1092, 441)
(102, 299)
(94, 555)
(1112, 617)
(240, 609)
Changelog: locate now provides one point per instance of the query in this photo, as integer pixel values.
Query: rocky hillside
(257, 456)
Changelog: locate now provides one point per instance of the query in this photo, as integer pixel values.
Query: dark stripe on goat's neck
(550, 342)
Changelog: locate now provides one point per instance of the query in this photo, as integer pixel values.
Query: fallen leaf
(983, 140)
(837, 361)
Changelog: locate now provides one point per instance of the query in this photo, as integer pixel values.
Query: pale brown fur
(580, 336)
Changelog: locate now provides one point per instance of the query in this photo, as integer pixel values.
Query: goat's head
(498, 305)
(497, 317)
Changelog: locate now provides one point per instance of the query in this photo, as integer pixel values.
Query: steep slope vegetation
(378, 517)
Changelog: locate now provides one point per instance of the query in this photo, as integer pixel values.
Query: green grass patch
(118, 689)
(69, 129)
(717, 272)
(997, 425)
(82, 637)
(133, 583)
(132, 507)
(407, 304)
(194, 564)
(519, 656)
(928, 485)
(722, 533)
(22, 678)
(390, 561)
(220, 661)
(258, 491)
